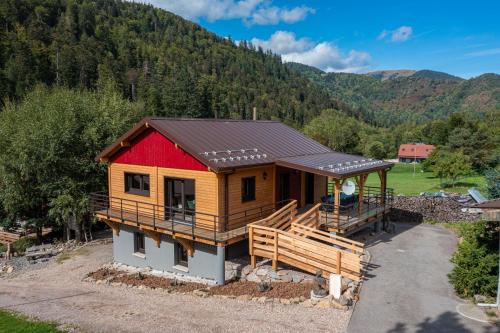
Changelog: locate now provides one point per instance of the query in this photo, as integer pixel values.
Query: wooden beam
(275, 255)
(187, 244)
(383, 185)
(114, 226)
(339, 261)
(361, 180)
(336, 202)
(125, 144)
(153, 234)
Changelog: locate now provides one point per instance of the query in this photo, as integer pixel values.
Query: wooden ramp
(282, 237)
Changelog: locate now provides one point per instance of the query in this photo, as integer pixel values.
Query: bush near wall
(476, 259)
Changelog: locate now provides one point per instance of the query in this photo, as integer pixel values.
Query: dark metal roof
(334, 164)
(228, 144)
(490, 204)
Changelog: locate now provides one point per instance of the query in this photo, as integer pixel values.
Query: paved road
(407, 288)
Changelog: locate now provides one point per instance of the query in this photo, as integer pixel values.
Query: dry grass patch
(82, 251)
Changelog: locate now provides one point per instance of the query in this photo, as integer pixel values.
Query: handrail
(308, 252)
(336, 215)
(309, 214)
(153, 215)
(279, 216)
(342, 242)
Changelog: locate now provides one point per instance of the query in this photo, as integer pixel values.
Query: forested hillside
(416, 97)
(175, 67)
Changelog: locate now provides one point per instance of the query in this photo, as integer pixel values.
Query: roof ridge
(215, 120)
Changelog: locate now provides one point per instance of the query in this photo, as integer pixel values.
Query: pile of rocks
(40, 253)
(436, 209)
(347, 299)
(326, 302)
(164, 274)
(6, 268)
(240, 269)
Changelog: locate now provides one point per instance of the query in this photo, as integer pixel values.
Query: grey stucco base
(207, 261)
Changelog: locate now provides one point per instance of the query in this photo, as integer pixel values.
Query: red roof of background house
(412, 150)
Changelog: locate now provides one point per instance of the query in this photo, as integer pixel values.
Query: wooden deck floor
(175, 227)
(349, 225)
(184, 229)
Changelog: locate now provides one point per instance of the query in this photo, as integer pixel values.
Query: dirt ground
(57, 293)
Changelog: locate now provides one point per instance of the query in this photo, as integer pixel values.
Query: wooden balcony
(345, 219)
(188, 224)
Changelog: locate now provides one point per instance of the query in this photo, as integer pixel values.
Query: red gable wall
(151, 148)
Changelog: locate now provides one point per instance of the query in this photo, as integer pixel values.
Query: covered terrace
(345, 213)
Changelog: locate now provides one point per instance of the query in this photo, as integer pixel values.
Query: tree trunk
(39, 234)
(78, 229)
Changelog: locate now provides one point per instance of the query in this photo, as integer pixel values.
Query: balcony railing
(190, 222)
(341, 216)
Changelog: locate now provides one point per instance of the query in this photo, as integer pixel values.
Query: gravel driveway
(56, 293)
(408, 290)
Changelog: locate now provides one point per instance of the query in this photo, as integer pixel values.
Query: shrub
(22, 244)
(493, 183)
(476, 260)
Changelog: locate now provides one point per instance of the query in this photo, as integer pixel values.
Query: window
(181, 256)
(136, 183)
(247, 189)
(139, 243)
(180, 199)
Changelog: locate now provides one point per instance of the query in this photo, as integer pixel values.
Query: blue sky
(458, 37)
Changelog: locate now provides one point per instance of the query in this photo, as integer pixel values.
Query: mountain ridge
(172, 65)
(389, 74)
(415, 98)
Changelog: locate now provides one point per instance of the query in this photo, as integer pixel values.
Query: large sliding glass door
(179, 199)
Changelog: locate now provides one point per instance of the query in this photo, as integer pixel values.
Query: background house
(414, 152)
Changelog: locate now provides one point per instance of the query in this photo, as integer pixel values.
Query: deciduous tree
(49, 142)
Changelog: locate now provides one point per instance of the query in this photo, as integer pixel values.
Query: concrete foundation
(207, 261)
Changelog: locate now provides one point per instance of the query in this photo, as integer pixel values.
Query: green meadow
(14, 323)
(404, 180)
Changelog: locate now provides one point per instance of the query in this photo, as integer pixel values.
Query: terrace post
(336, 203)
(250, 247)
(361, 191)
(275, 255)
(221, 265)
(383, 185)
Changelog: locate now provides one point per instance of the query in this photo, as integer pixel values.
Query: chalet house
(182, 193)
(414, 152)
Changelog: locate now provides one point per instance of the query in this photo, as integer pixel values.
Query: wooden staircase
(297, 241)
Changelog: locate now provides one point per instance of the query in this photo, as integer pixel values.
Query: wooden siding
(210, 191)
(151, 148)
(320, 187)
(263, 189)
(206, 187)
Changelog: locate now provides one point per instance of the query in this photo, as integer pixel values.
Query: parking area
(407, 289)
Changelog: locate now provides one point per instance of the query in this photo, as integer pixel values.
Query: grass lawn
(403, 181)
(13, 323)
